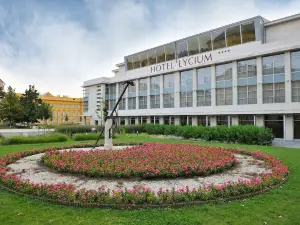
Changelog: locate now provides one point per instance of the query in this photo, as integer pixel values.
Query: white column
(161, 92)
(161, 120)
(176, 120)
(177, 90)
(259, 121)
(148, 119)
(194, 120)
(148, 92)
(137, 93)
(213, 121)
(289, 127)
(137, 120)
(259, 80)
(213, 85)
(126, 120)
(195, 87)
(235, 120)
(234, 83)
(288, 77)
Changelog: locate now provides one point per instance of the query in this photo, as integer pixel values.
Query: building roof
(282, 20)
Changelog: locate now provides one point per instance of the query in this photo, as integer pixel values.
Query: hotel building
(243, 73)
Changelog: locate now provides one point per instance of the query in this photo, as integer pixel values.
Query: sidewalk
(288, 144)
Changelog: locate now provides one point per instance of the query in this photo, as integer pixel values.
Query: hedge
(14, 140)
(85, 137)
(248, 134)
(73, 129)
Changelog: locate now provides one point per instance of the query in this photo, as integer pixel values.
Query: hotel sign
(181, 63)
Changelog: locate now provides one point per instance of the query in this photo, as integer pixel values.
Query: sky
(58, 44)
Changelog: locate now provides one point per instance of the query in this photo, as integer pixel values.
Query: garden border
(173, 204)
(147, 205)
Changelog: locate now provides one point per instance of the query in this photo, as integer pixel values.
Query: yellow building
(62, 107)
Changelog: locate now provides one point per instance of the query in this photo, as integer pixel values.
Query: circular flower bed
(140, 196)
(148, 161)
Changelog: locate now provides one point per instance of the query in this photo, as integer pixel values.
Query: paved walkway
(288, 144)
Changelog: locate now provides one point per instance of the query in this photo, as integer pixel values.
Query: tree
(105, 111)
(10, 107)
(2, 93)
(30, 102)
(66, 118)
(45, 111)
(100, 111)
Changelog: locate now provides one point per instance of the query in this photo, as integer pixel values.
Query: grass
(267, 208)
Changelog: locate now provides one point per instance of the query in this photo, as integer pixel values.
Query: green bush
(234, 134)
(15, 140)
(129, 129)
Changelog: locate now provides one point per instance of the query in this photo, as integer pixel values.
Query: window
(193, 45)
(132, 120)
(142, 102)
(181, 49)
(168, 120)
(223, 120)
(160, 53)
(218, 38)
(296, 126)
(73, 114)
(170, 51)
(111, 104)
(136, 61)
(275, 122)
(224, 84)
(58, 105)
(154, 119)
(143, 120)
(247, 82)
(185, 120)
(205, 43)
(204, 86)
(131, 103)
(248, 32)
(295, 64)
(122, 104)
(203, 121)
(129, 63)
(233, 36)
(273, 79)
(154, 91)
(246, 120)
(144, 59)
(122, 121)
(186, 89)
(151, 57)
(168, 97)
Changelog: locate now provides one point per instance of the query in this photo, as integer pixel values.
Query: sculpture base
(108, 146)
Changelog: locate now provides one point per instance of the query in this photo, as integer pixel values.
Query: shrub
(85, 137)
(248, 134)
(15, 140)
(133, 128)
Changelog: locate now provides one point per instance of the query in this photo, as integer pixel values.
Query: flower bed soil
(151, 160)
(142, 196)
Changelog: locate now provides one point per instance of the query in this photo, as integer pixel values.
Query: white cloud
(57, 53)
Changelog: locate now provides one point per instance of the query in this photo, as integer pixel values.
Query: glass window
(136, 61)
(246, 120)
(296, 126)
(296, 91)
(169, 82)
(275, 122)
(295, 61)
(224, 84)
(160, 53)
(247, 68)
(143, 102)
(186, 89)
(155, 85)
(170, 51)
(129, 63)
(122, 104)
(202, 121)
(223, 120)
(122, 121)
(151, 57)
(144, 59)
(295, 64)
(185, 120)
(143, 85)
(248, 32)
(205, 43)
(154, 101)
(274, 93)
(204, 86)
(132, 120)
(218, 38)
(193, 45)
(154, 119)
(181, 49)
(168, 100)
(131, 103)
(233, 36)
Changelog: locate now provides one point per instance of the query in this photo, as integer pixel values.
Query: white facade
(274, 40)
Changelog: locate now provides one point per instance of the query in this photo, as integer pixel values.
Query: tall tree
(66, 118)
(30, 102)
(10, 107)
(45, 111)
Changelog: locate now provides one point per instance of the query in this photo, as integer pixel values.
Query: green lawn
(267, 208)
